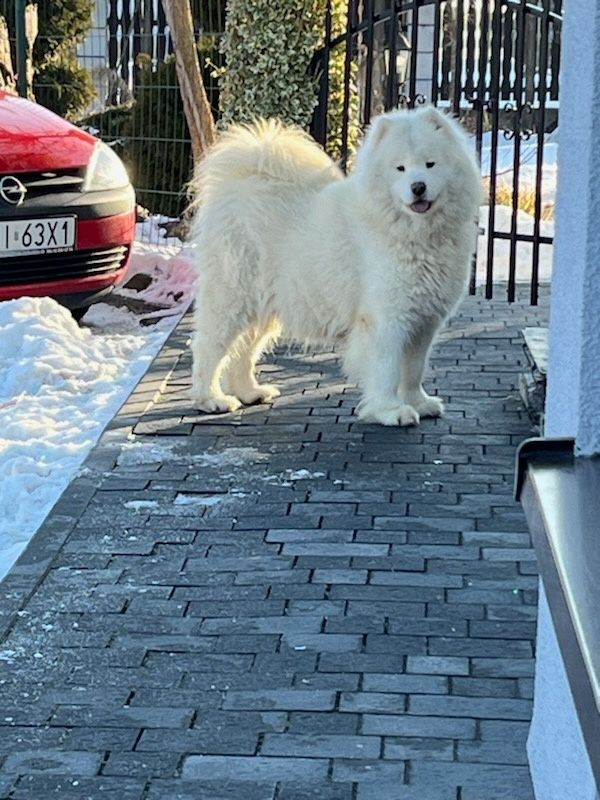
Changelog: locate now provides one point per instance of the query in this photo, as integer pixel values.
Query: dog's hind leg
(213, 338)
(239, 377)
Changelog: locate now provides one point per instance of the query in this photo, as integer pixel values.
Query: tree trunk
(7, 75)
(195, 102)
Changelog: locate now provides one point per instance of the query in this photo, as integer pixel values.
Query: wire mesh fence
(108, 66)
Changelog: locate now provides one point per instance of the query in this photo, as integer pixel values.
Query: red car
(67, 208)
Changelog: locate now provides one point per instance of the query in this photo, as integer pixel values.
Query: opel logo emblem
(12, 190)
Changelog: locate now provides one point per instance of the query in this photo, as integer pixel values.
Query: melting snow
(198, 499)
(138, 505)
(60, 384)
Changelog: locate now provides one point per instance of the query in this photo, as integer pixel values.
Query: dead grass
(504, 197)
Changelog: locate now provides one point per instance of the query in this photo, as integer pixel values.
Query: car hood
(33, 139)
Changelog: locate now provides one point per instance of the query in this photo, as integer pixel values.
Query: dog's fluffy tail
(265, 149)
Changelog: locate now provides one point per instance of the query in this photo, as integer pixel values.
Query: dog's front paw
(430, 406)
(259, 394)
(390, 414)
(220, 404)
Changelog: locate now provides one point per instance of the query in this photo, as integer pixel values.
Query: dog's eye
(430, 164)
(400, 169)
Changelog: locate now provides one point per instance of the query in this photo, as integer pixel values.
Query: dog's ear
(436, 118)
(379, 128)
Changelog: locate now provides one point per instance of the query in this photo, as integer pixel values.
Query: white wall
(558, 759)
(560, 768)
(573, 403)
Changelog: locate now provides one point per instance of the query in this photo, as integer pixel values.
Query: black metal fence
(495, 65)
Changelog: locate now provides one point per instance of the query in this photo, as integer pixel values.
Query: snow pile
(168, 269)
(150, 234)
(59, 386)
(524, 250)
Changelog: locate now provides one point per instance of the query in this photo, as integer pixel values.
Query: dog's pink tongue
(421, 206)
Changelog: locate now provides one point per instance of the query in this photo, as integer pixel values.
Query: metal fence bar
(391, 99)
(414, 38)
(347, 70)
(541, 126)
(435, 63)
(321, 68)
(369, 39)
(494, 105)
(520, 109)
(458, 58)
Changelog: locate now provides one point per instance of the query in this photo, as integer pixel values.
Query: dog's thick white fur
(374, 262)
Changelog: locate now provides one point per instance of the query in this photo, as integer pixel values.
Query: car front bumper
(104, 237)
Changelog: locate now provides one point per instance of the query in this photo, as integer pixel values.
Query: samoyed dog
(374, 262)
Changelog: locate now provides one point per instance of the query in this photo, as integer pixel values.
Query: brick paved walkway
(285, 604)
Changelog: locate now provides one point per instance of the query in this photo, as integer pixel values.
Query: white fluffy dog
(374, 262)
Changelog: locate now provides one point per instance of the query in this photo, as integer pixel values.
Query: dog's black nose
(419, 188)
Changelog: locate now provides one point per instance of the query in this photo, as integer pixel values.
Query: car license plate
(26, 236)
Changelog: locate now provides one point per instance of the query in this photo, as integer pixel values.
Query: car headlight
(105, 170)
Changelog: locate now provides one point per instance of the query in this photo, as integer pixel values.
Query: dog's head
(417, 162)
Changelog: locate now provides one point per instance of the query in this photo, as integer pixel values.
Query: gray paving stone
(354, 624)
(209, 790)
(485, 687)
(480, 708)
(373, 702)
(161, 765)
(278, 624)
(51, 762)
(347, 681)
(255, 770)
(344, 576)
(408, 748)
(487, 779)
(282, 699)
(316, 745)
(369, 772)
(409, 684)
(461, 646)
(33, 787)
(415, 579)
(324, 642)
(425, 727)
(329, 723)
(126, 717)
(295, 791)
(399, 645)
(396, 791)
(218, 742)
(324, 608)
(360, 662)
(502, 667)
(233, 608)
(333, 549)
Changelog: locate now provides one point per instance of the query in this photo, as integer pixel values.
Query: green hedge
(64, 87)
(59, 82)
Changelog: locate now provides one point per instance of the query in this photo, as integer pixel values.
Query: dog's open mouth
(421, 206)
